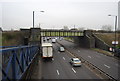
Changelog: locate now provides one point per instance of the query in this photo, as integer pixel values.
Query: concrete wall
(101, 44)
(26, 32)
(86, 41)
(35, 31)
(89, 40)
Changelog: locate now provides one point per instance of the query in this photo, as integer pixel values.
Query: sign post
(114, 43)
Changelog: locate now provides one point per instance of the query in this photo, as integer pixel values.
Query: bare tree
(65, 28)
(107, 27)
(81, 28)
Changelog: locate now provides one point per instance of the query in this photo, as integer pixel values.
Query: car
(61, 49)
(75, 62)
(61, 38)
(53, 40)
(56, 38)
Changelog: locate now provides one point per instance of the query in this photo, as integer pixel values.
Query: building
(119, 15)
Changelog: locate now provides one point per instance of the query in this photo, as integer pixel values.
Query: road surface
(60, 68)
(108, 64)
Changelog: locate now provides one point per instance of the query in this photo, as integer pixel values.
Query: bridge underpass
(17, 61)
(82, 38)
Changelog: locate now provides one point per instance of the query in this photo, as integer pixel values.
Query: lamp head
(42, 11)
(109, 15)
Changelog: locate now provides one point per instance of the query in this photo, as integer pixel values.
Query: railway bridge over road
(24, 62)
(82, 38)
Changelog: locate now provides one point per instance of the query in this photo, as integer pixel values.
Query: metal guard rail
(15, 61)
(7, 46)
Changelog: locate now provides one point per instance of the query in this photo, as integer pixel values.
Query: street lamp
(115, 29)
(33, 17)
(33, 22)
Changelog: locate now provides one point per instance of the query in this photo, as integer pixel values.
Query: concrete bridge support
(87, 41)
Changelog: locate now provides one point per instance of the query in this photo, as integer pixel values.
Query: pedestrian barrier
(15, 61)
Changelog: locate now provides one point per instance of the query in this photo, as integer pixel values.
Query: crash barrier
(15, 61)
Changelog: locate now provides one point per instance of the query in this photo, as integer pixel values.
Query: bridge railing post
(14, 76)
(22, 59)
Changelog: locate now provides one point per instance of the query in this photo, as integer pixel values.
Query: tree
(81, 28)
(66, 28)
(107, 27)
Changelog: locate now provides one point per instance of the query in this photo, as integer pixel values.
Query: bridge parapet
(15, 61)
(36, 33)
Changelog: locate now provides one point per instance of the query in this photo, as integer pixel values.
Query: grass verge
(103, 51)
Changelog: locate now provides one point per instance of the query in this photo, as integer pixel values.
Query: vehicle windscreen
(76, 60)
(62, 48)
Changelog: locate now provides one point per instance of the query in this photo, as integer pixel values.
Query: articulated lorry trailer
(47, 50)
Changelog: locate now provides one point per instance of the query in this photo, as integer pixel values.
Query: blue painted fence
(15, 61)
(7, 46)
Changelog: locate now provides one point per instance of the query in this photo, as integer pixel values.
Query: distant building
(119, 15)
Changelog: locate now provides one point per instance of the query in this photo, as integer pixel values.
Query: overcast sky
(90, 14)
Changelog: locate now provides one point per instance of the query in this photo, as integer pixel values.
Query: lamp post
(33, 22)
(33, 16)
(115, 30)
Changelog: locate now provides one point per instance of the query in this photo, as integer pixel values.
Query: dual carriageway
(60, 68)
(94, 65)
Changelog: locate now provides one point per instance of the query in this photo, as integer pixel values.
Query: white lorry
(47, 50)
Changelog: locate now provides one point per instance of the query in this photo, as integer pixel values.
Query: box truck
(47, 50)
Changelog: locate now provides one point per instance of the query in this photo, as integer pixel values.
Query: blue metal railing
(3, 47)
(15, 61)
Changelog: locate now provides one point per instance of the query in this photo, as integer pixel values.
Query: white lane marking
(64, 58)
(106, 66)
(52, 58)
(58, 72)
(89, 56)
(73, 70)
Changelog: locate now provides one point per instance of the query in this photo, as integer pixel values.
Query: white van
(61, 49)
(53, 40)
